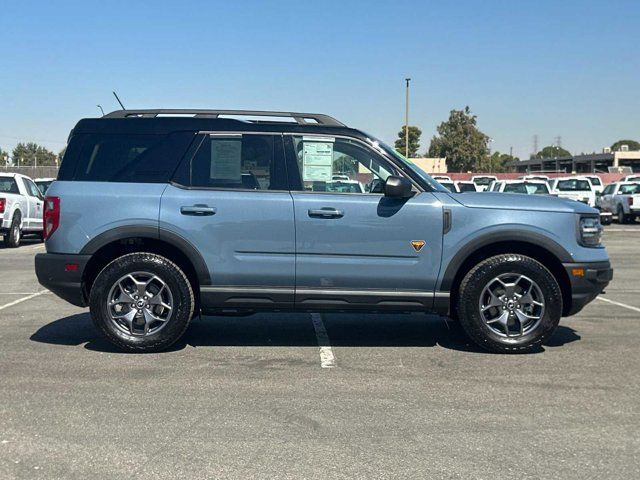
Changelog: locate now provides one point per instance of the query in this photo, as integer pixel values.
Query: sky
(525, 68)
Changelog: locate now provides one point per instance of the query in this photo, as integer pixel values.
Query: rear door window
(236, 162)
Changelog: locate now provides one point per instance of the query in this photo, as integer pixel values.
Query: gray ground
(246, 397)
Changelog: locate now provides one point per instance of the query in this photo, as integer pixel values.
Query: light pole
(406, 120)
(100, 107)
(490, 159)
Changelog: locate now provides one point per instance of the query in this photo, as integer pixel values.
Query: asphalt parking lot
(407, 396)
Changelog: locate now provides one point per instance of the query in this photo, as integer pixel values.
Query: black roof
(167, 121)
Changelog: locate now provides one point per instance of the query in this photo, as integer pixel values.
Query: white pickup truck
(21, 208)
(621, 199)
(574, 188)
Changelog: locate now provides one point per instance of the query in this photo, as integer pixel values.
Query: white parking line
(327, 360)
(23, 299)
(623, 305)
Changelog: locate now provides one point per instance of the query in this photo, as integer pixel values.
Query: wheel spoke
(494, 302)
(127, 317)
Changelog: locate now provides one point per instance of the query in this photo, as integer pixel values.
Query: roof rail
(300, 118)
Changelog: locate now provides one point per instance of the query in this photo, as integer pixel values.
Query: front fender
(494, 235)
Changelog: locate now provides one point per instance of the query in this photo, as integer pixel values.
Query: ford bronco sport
(159, 215)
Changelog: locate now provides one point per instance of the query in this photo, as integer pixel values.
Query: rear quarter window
(8, 185)
(123, 157)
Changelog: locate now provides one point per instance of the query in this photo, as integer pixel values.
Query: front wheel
(509, 303)
(142, 302)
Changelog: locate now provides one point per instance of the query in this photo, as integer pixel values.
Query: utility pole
(406, 121)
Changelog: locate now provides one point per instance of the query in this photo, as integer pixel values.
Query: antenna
(535, 144)
(117, 98)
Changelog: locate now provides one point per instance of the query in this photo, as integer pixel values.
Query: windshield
(630, 189)
(8, 185)
(410, 165)
(573, 185)
(526, 187)
(449, 186)
(44, 185)
(595, 181)
(467, 187)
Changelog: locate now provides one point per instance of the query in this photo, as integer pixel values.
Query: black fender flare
(535, 239)
(155, 233)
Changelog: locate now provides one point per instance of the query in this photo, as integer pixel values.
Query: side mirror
(397, 187)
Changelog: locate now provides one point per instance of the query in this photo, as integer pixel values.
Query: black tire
(622, 218)
(12, 237)
(175, 280)
(469, 303)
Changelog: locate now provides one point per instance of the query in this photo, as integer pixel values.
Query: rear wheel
(509, 303)
(622, 218)
(12, 238)
(142, 302)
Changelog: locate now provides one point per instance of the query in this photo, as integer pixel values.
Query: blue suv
(160, 215)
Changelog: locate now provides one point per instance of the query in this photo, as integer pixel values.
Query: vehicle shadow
(25, 241)
(294, 330)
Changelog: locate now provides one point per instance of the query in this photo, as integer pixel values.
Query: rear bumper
(588, 285)
(55, 273)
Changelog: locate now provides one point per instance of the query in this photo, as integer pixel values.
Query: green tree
(633, 145)
(414, 141)
(31, 153)
(498, 162)
(461, 142)
(552, 151)
(4, 155)
(61, 154)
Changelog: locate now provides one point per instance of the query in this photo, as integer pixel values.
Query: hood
(520, 201)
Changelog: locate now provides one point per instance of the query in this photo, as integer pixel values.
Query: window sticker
(317, 161)
(226, 159)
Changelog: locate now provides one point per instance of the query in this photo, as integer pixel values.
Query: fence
(33, 172)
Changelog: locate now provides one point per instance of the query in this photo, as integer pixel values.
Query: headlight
(590, 231)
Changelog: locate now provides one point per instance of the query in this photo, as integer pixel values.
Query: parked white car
(451, 186)
(528, 187)
(464, 186)
(596, 183)
(444, 178)
(621, 199)
(540, 178)
(631, 178)
(21, 208)
(483, 181)
(43, 184)
(574, 188)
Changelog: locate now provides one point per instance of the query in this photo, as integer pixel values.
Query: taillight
(630, 200)
(51, 215)
(3, 202)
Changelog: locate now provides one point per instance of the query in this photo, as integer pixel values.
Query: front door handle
(198, 210)
(326, 212)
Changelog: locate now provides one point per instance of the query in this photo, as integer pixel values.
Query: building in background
(590, 163)
(430, 165)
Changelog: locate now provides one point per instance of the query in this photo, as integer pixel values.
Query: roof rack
(300, 118)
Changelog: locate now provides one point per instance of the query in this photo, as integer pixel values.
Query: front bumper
(59, 274)
(588, 280)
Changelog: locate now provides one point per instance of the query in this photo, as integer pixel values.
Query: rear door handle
(326, 212)
(198, 210)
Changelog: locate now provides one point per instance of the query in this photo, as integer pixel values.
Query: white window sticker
(317, 161)
(226, 158)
